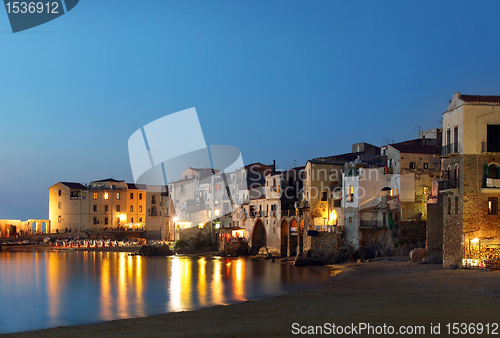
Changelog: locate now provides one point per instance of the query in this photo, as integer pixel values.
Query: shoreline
(377, 292)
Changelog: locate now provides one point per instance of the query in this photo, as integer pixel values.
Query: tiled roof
(416, 149)
(108, 180)
(73, 185)
(480, 98)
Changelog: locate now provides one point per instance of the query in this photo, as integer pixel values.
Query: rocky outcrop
(417, 255)
(234, 249)
(156, 250)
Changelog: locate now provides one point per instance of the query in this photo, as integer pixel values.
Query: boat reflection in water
(47, 289)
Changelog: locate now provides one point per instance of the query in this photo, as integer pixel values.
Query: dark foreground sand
(378, 292)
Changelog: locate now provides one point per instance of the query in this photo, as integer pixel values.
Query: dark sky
(285, 80)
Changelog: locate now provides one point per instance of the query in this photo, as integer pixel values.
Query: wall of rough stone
(324, 246)
(477, 223)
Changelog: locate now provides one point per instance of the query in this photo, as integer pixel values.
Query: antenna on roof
(418, 129)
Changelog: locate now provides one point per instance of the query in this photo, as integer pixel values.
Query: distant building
(102, 204)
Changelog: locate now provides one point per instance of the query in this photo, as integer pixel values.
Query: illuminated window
(95, 195)
(140, 208)
(412, 165)
(117, 195)
(131, 208)
(131, 220)
(493, 205)
(106, 209)
(426, 165)
(84, 195)
(140, 219)
(118, 208)
(426, 190)
(351, 190)
(59, 219)
(106, 195)
(118, 220)
(140, 196)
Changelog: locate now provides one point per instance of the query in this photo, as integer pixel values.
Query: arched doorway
(284, 239)
(293, 238)
(258, 237)
(33, 228)
(44, 227)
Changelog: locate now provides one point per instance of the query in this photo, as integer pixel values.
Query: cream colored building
(103, 204)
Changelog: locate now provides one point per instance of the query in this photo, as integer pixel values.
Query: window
(426, 165)
(493, 138)
(337, 203)
(95, 195)
(140, 219)
(131, 208)
(118, 208)
(140, 196)
(59, 219)
(140, 208)
(412, 165)
(426, 190)
(323, 196)
(84, 195)
(59, 192)
(493, 206)
(449, 206)
(131, 220)
(118, 221)
(106, 220)
(131, 195)
(95, 207)
(455, 140)
(153, 199)
(58, 205)
(106, 195)
(217, 187)
(456, 204)
(96, 221)
(117, 195)
(106, 209)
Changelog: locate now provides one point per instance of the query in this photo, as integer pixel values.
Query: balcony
(447, 184)
(490, 147)
(371, 224)
(153, 213)
(288, 213)
(491, 183)
(304, 204)
(448, 149)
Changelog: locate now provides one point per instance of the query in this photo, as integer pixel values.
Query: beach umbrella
(46, 239)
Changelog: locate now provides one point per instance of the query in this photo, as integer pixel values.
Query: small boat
(66, 249)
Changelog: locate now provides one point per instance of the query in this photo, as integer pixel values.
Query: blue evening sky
(284, 80)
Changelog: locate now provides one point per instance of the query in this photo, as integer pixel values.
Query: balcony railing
(153, 213)
(288, 213)
(304, 204)
(491, 183)
(490, 147)
(452, 148)
(447, 184)
(371, 224)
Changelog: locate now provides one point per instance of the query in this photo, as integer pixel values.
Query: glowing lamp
(176, 219)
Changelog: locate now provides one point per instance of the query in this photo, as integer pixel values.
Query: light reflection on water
(48, 288)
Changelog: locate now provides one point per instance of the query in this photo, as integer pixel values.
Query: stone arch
(33, 228)
(259, 238)
(44, 227)
(284, 238)
(493, 170)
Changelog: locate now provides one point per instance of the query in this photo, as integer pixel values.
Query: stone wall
(324, 246)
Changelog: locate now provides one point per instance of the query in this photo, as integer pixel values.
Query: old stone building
(470, 185)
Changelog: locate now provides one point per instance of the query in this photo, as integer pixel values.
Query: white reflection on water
(48, 288)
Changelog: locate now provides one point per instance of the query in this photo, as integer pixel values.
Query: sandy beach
(394, 292)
